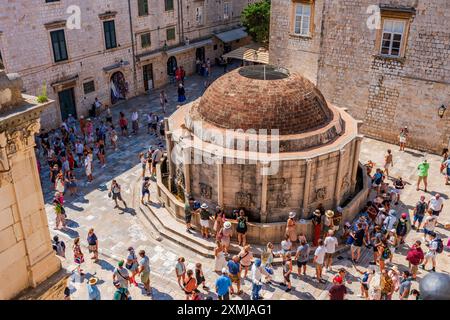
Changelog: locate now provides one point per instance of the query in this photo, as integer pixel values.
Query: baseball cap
(404, 215)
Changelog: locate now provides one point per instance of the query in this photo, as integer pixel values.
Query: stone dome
(264, 97)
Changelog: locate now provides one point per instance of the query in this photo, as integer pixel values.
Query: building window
(146, 40)
(59, 45)
(110, 34)
(170, 34)
(302, 19)
(89, 87)
(392, 39)
(226, 10)
(168, 4)
(143, 8)
(215, 47)
(199, 15)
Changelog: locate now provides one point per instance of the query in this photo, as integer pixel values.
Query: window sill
(60, 62)
(299, 36)
(390, 58)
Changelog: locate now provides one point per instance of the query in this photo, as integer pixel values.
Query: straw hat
(227, 225)
(329, 213)
(317, 212)
(92, 281)
(291, 215)
(204, 206)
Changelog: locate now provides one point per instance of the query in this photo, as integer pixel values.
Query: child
(199, 276)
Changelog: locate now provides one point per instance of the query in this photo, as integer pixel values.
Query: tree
(256, 19)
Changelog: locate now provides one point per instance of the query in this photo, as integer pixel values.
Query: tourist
(180, 271)
(181, 93)
(287, 270)
(328, 221)
(59, 247)
(257, 272)
(386, 286)
(377, 180)
(225, 236)
(302, 256)
(384, 253)
(121, 293)
(422, 174)
(268, 257)
(60, 213)
(204, 220)
(402, 229)
(374, 286)
(143, 161)
(121, 275)
(146, 190)
(330, 243)
(415, 258)
(358, 241)
(93, 292)
(54, 171)
(405, 285)
(286, 245)
(156, 158)
(188, 211)
(445, 168)
(376, 240)
(429, 224)
(144, 272)
(241, 228)
(78, 256)
(364, 281)
(132, 265)
(135, 122)
(115, 193)
(93, 244)
(79, 147)
(434, 248)
(402, 137)
(399, 185)
(223, 285)
(416, 294)
(291, 229)
(390, 221)
(219, 219)
(419, 213)
(245, 258)
(436, 204)
(163, 101)
(98, 107)
(234, 271)
(71, 183)
(338, 289)
(199, 276)
(392, 242)
(388, 162)
(317, 223)
(319, 257)
(123, 124)
(113, 137)
(67, 291)
(109, 119)
(88, 167)
(395, 275)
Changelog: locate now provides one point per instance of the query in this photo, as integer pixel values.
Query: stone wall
(342, 57)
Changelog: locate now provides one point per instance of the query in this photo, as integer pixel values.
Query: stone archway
(171, 66)
(118, 87)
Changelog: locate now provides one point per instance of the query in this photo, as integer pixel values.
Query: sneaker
(433, 269)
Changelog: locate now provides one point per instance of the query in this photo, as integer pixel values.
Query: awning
(189, 46)
(232, 35)
(116, 66)
(253, 53)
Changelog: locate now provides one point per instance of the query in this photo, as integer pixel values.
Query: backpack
(440, 245)
(386, 253)
(242, 225)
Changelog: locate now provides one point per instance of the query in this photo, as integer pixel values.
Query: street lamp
(441, 111)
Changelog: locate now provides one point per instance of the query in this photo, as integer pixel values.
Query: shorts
(329, 255)
(376, 184)
(204, 223)
(287, 277)
(397, 191)
(235, 278)
(414, 268)
(430, 255)
(188, 218)
(145, 277)
(402, 140)
(226, 296)
(301, 263)
(92, 248)
(116, 196)
(144, 192)
(365, 286)
(124, 128)
(418, 218)
(319, 265)
(355, 247)
(436, 213)
(426, 231)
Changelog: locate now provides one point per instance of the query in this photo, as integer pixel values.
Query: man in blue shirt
(223, 284)
(234, 268)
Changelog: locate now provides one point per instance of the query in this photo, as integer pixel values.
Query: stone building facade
(128, 43)
(26, 254)
(390, 74)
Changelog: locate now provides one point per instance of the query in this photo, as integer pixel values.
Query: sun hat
(92, 281)
(291, 214)
(329, 213)
(204, 206)
(257, 262)
(227, 225)
(317, 212)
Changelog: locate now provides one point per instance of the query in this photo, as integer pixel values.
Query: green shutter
(168, 5)
(110, 34)
(59, 45)
(143, 7)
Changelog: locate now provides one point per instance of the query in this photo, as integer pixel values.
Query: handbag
(109, 194)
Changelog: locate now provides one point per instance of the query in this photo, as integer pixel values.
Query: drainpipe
(182, 20)
(133, 49)
(179, 21)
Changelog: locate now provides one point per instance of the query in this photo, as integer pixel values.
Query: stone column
(219, 167)
(170, 164)
(355, 163)
(264, 187)
(186, 171)
(338, 183)
(306, 188)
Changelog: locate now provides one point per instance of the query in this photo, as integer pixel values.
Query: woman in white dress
(219, 258)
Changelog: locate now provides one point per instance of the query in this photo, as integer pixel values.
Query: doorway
(147, 71)
(171, 66)
(67, 103)
(200, 54)
(119, 87)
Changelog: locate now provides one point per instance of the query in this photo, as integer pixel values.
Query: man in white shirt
(134, 122)
(330, 244)
(436, 204)
(390, 221)
(257, 272)
(319, 257)
(432, 252)
(429, 224)
(156, 158)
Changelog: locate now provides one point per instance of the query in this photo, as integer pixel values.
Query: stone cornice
(107, 15)
(55, 24)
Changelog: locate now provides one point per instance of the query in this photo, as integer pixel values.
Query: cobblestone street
(117, 229)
